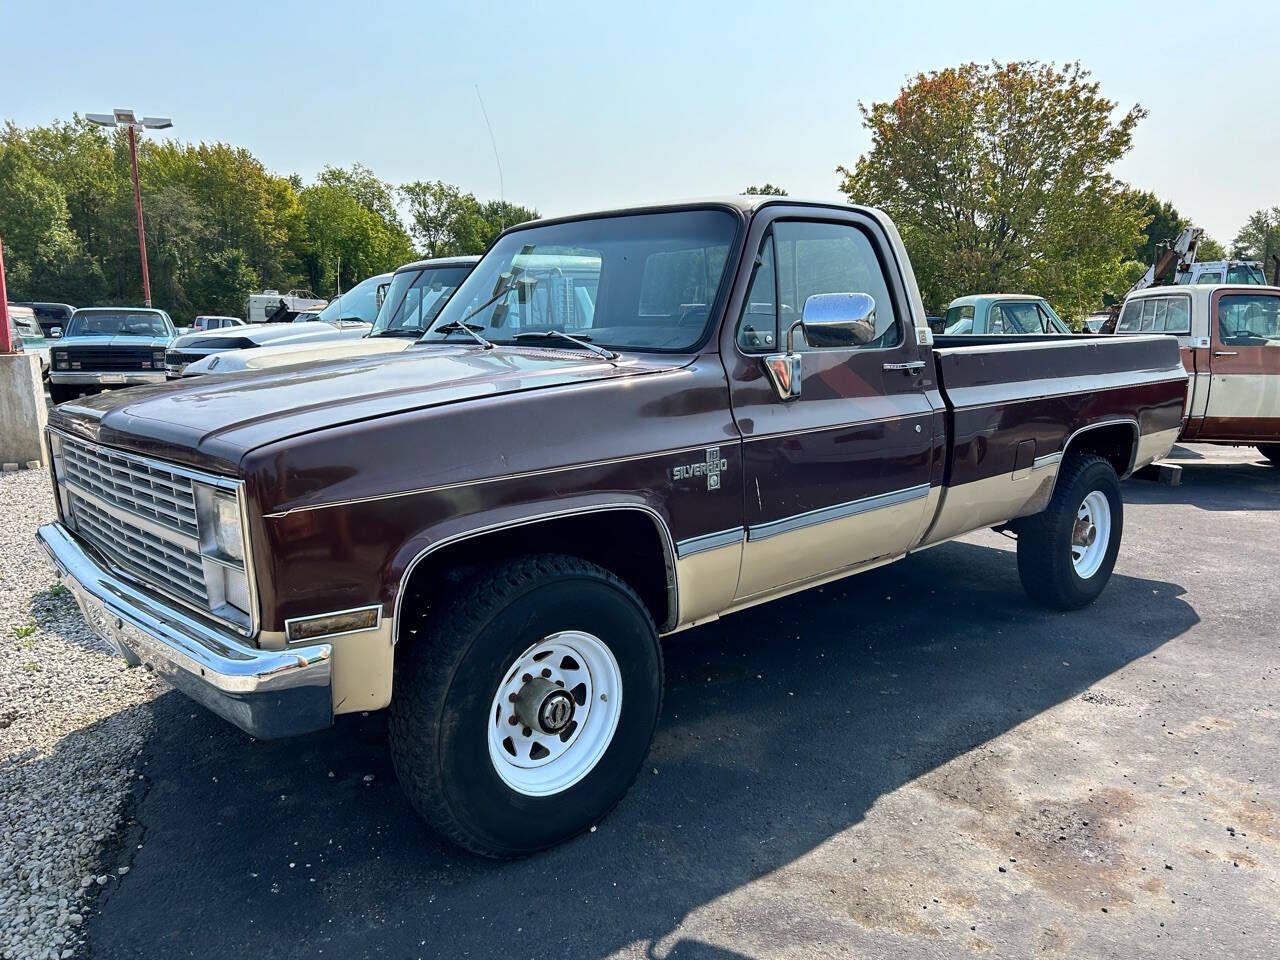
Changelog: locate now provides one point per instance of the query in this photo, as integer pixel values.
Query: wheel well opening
(625, 542)
(1114, 442)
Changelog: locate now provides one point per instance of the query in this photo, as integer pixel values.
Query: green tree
(342, 233)
(1259, 238)
(448, 222)
(1210, 249)
(999, 178)
(1164, 223)
(376, 196)
(766, 189)
(219, 224)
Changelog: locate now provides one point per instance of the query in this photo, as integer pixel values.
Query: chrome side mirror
(839, 320)
(828, 320)
(55, 333)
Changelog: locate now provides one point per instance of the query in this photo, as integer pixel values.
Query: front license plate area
(111, 378)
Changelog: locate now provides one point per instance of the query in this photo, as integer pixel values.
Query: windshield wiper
(461, 325)
(502, 291)
(582, 340)
(402, 332)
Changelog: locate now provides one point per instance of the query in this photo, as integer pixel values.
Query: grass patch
(24, 631)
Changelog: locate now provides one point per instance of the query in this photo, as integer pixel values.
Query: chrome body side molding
(762, 531)
(709, 541)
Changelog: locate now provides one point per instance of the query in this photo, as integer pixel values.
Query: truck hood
(258, 335)
(308, 351)
(212, 422)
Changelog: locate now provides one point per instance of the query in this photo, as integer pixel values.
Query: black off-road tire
(449, 669)
(1271, 451)
(1044, 541)
(61, 393)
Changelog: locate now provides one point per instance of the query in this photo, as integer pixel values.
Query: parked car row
(610, 428)
(415, 293)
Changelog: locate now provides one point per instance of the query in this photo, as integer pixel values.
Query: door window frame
(1215, 305)
(762, 226)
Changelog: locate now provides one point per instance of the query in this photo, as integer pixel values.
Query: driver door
(839, 475)
(1244, 365)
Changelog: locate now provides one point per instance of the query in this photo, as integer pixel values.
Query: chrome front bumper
(85, 378)
(266, 693)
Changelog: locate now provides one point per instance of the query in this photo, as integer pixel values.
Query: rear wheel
(61, 393)
(525, 703)
(1066, 554)
(1271, 451)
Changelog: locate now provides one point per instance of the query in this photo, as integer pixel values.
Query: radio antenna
(502, 192)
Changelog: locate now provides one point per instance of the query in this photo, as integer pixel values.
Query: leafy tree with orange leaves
(999, 179)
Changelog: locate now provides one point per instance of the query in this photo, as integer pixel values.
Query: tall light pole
(126, 119)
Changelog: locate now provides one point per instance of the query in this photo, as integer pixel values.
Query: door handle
(911, 366)
(1226, 353)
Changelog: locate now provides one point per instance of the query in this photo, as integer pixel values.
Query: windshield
(637, 282)
(358, 303)
(124, 323)
(416, 297)
(1245, 273)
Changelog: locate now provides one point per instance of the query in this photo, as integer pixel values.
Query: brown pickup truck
(622, 425)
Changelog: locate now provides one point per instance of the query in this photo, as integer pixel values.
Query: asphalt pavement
(913, 762)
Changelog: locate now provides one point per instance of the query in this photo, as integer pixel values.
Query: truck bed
(1014, 403)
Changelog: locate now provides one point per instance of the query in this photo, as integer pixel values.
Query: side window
(758, 326)
(1249, 320)
(995, 319)
(1046, 321)
(1130, 317)
(1178, 319)
(816, 258)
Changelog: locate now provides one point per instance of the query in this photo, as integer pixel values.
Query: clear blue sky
(595, 104)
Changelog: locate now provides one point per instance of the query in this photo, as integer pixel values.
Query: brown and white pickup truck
(1230, 341)
(622, 425)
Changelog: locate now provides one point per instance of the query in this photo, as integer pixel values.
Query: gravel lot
(914, 762)
(72, 720)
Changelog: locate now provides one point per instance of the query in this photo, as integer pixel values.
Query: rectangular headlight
(218, 513)
(218, 518)
(157, 357)
(222, 546)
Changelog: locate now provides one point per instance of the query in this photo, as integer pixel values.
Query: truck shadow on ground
(1213, 486)
(781, 726)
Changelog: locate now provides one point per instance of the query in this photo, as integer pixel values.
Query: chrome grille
(181, 357)
(112, 358)
(141, 487)
(172, 566)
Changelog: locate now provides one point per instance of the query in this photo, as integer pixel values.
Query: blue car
(106, 347)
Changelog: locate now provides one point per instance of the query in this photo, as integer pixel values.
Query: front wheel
(1066, 554)
(1271, 451)
(525, 703)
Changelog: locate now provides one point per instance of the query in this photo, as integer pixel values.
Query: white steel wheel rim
(1091, 534)
(529, 759)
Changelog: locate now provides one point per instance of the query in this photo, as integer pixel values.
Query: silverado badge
(711, 468)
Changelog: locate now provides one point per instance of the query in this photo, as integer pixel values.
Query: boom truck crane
(1176, 264)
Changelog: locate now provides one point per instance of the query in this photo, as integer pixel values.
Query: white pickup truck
(1230, 340)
